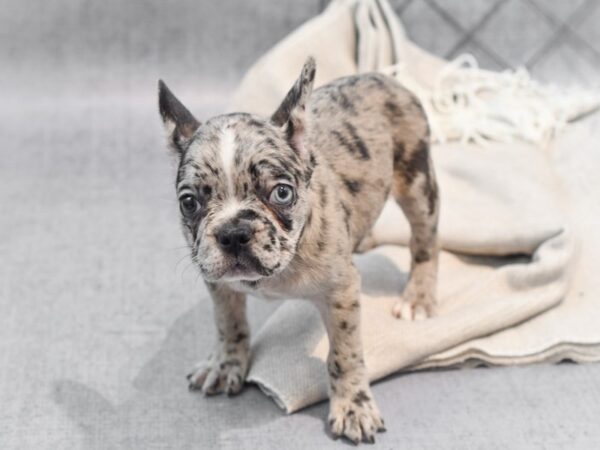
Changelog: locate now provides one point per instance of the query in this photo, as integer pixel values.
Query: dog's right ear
(180, 124)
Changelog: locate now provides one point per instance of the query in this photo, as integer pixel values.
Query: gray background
(101, 314)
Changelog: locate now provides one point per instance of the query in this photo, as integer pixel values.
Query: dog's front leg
(353, 412)
(225, 369)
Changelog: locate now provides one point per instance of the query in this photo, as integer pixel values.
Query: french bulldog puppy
(276, 206)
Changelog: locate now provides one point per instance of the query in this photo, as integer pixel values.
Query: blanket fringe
(467, 103)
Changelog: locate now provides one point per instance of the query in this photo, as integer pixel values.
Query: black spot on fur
(240, 337)
(347, 216)
(247, 214)
(418, 163)
(284, 176)
(419, 160)
(272, 236)
(311, 75)
(286, 223)
(307, 176)
(335, 370)
(214, 170)
(346, 103)
(431, 192)
(279, 167)
(358, 143)
(257, 265)
(339, 97)
(267, 247)
(353, 186)
(392, 109)
(399, 150)
(206, 190)
(422, 256)
(289, 131)
(255, 123)
(344, 325)
(360, 398)
(271, 143)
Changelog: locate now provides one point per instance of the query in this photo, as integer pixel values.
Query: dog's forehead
(227, 146)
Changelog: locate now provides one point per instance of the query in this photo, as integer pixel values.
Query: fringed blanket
(519, 219)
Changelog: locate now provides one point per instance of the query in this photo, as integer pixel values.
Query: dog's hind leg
(416, 191)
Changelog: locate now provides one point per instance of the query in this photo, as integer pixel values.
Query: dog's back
(365, 126)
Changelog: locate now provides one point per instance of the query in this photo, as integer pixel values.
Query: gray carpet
(101, 313)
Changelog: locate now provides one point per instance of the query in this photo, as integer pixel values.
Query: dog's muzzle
(235, 238)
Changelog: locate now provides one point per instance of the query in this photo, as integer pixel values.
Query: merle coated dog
(275, 207)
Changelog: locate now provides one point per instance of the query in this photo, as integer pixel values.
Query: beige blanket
(519, 229)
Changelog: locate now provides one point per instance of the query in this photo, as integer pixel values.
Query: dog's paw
(417, 303)
(219, 374)
(356, 417)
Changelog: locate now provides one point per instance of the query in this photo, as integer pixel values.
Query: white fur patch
(227, 156)
(230, 209)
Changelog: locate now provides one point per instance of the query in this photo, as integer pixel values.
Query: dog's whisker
(181, 260)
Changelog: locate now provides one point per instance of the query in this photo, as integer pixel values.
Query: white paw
(417, 303)
(219, 374)
(355, 417)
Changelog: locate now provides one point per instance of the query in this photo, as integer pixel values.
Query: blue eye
(282, 194)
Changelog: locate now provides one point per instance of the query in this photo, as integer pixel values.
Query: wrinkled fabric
(516, 229)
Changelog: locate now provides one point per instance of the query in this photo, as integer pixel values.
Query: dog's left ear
(290, 115)
(180, 124)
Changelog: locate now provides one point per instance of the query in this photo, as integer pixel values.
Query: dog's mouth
(245, 269)
(241, 271)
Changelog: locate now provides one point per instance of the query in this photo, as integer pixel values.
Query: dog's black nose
(232, 238)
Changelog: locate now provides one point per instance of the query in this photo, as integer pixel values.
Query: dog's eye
(188, 205)
(282, 194)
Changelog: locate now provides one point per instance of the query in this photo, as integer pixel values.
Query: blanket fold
(516, 231)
